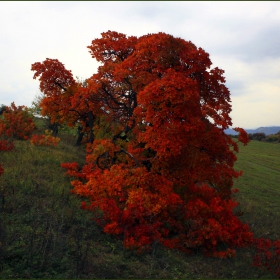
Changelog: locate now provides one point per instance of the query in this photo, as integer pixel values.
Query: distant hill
(267, 130)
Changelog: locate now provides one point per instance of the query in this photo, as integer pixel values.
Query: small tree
(35, 108)
(17, 122)
(259, 136)
(65, 99)
(278, 135)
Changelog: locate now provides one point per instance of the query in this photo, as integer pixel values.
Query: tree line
(261, 136)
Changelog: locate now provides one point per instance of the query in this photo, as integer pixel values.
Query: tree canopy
(159, 165)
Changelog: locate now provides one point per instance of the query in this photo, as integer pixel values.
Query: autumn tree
(36, 110)
(167, 173)
(17, 122)
(162, 170)
(65, 99)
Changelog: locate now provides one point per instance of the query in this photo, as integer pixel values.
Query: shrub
(45, 139)
(17, 122)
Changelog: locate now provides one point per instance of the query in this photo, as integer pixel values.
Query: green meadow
(45, 234)
(259, 187)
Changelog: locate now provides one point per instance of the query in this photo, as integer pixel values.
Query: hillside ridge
(264, 129)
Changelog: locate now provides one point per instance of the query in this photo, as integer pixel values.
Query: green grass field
(45, 234)
(259, 187)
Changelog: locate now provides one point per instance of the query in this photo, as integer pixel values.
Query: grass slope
(259, 187)
(45, 234)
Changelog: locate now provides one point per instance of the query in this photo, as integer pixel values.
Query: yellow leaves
(99, 147)
(48, 132)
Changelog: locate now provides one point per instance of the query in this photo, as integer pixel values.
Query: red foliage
(44, 140)
(243, 136)
(166, 172)
(5, 146)
(54, 82)
(171, 181)
(66, 100)
(17, 122)
(268, 255)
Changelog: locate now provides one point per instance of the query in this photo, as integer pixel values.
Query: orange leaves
(113, 228)
(53, 76)
(73, 170)
(130, 199)
(212, 222)
(160, 167)
(99, 147)
(170, 106)
(17, 122)
(66, 100)
(113, 46)
(44, 140)
(56, 83)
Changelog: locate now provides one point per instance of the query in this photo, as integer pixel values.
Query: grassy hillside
(259, 187)
(45, 234)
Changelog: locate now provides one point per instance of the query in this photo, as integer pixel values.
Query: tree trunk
(53, 127)
(90, 124)
(80, 136)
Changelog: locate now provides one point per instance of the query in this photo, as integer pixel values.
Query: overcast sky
(242, 38)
